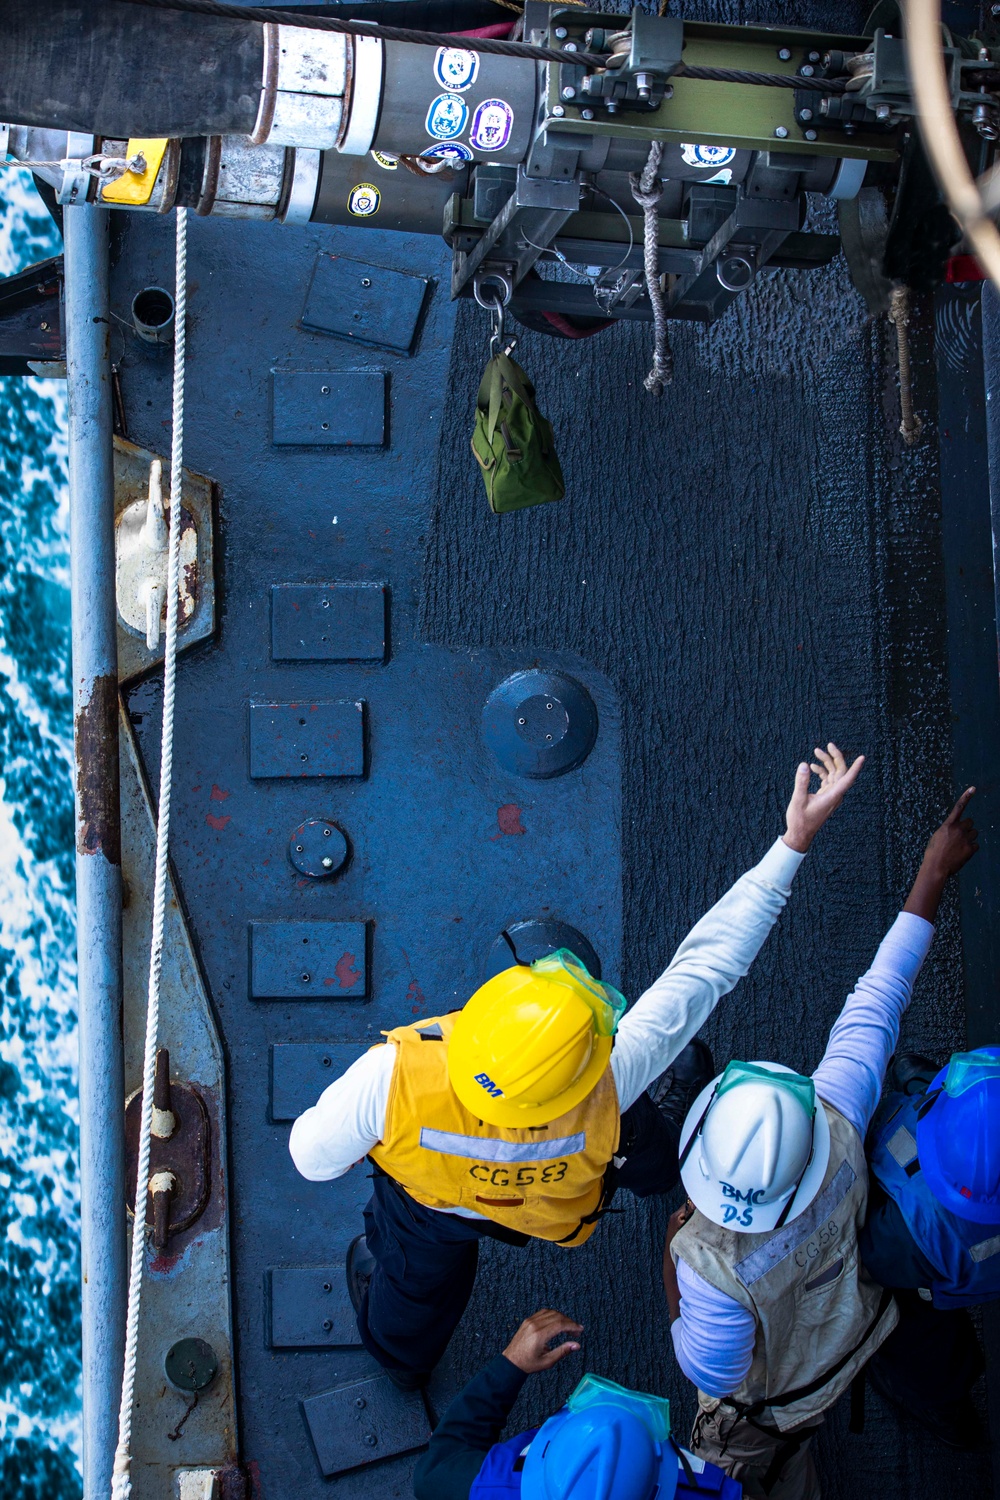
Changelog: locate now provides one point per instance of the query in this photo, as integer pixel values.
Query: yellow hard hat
(532, 1042)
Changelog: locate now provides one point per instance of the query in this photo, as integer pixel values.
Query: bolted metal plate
(186, 1155)
(307, 739)
(368, 304)
(308, 961)
(311, 1308)
(361, 1423)
(540, 724)
(328, 622)
(318, 849)
(536, 939)
(328, 408)
(300, 1071)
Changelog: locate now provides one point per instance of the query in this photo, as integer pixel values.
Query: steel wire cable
(490, 45)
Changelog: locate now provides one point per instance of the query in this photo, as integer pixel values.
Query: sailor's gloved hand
(808, 811)
(529, 1348)
(951, 846)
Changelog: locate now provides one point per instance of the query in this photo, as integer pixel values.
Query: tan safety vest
(547, 1182)
(811, 1298)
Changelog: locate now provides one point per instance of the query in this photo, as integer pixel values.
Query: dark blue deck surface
(750, 564)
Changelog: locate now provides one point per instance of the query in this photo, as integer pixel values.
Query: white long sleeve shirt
(348, 1120)
(714, 1335)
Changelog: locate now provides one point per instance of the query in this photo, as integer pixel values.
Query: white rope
(121, 1484)
(647, 190)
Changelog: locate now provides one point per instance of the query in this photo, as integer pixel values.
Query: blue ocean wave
(39, 1189)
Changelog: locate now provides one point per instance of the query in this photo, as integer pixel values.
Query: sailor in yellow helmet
(521, 1114)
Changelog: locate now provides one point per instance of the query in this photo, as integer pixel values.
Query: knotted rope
(647, 190)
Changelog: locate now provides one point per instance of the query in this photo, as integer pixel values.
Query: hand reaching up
(808, 811)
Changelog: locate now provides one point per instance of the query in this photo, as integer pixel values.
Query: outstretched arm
(721, 947)
(866, 1032)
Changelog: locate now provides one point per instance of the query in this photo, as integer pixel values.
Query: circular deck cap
(318, 849)
(191, 1365)
(534, 939)
(540, 724)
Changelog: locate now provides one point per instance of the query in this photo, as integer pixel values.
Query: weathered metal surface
(366, 303)
(186, 1288)
(310, 1308)
(329, 408)
(359, 1424)
(328, 622)
(131, 489)
(300, 1071)
(96, 748)
(308, 960)
(307, 739)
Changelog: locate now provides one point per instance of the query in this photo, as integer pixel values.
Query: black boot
(675, 1091)
(360, 1267)
(910, 1073)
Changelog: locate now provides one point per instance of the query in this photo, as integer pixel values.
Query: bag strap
(790, 1397)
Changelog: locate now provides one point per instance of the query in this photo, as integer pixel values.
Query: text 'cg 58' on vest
(819, 1315)
(547, 1181)
(965, 1254)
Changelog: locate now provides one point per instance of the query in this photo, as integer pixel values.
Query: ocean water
(39, 1236)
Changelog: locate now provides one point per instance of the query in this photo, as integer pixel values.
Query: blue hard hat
(958, 1136)
(605, 1452)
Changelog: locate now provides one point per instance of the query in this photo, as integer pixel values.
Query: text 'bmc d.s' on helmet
(755, 1147)
(958, 1135)
(533, 1041)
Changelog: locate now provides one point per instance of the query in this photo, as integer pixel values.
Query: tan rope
(910, 425)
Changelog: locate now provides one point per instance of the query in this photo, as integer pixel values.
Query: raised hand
(808, 811)
(529, 1348)
(951, 846)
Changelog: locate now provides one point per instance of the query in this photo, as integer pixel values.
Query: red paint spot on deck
(509, 819)
(217, 823)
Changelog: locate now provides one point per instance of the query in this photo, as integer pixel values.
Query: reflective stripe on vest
(965, 1254)
(547, 1182)
(811, 1299)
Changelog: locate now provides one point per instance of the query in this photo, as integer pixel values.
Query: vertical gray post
(98, 836)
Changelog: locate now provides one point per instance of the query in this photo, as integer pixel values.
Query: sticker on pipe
(363, 200)
(385, 160)
(447, 117)
(492, 124)
(706, 156)
(454, 151)
(455, 68)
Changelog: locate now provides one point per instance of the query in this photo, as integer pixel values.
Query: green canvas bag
(513, 442)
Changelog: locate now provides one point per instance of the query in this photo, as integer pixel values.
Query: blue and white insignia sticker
(450, 150)
(455, 68)
(386, 160)
(725, 177)
(363, 200)
(492, 124)
(447, 117)
(706, 156)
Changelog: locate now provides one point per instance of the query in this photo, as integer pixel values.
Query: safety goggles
(654, 1411)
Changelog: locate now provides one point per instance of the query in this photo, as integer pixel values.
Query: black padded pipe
(114, 69)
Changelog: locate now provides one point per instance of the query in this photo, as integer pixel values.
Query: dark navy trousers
(425, 1262)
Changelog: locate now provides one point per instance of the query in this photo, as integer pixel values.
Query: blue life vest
(966, 1255)
(500, 1476)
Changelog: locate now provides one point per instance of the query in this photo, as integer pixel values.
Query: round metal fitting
(734, 272)
(540, 724)
(153, 315)
(191, 1365)
(781, 131)
(318, 849)
(492, 288)
(784, 54)
(536, 938)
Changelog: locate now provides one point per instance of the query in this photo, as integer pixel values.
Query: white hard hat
(755, 1148)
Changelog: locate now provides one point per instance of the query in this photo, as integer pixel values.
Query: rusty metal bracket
(180, 1163)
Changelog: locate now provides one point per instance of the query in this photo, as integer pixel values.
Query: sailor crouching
(772, 1311)
(606, 1443)
(514, 1118)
